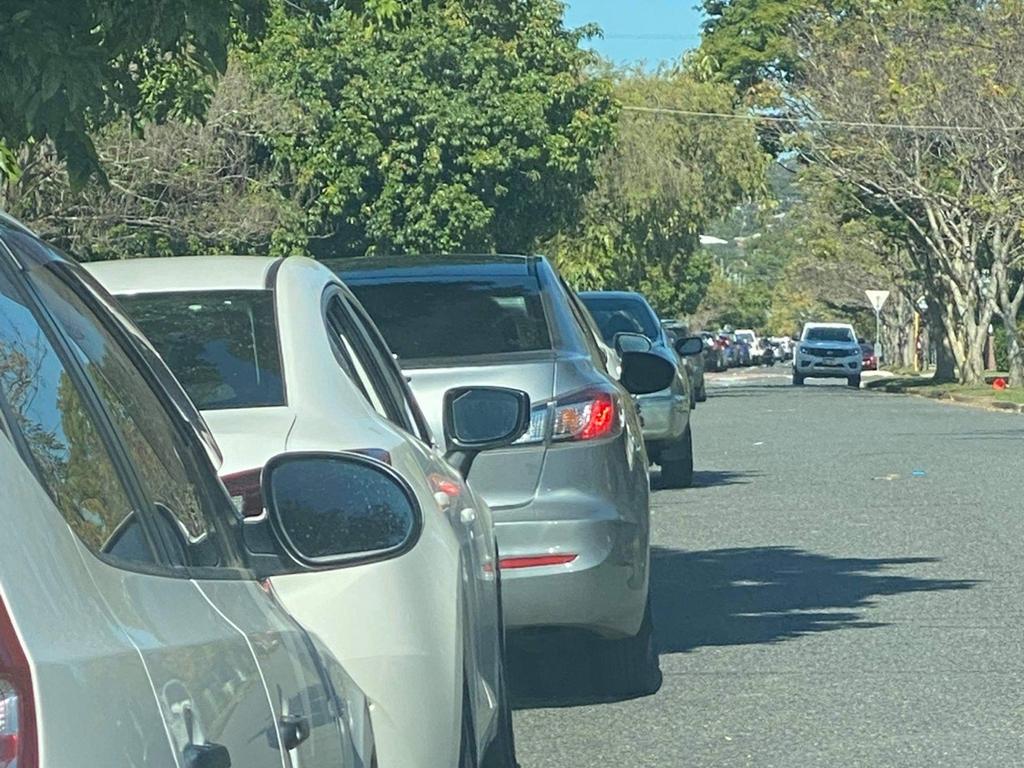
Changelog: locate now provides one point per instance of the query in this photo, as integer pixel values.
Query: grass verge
(982, 395)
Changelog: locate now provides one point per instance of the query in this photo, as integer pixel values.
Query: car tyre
(853, 381)
(798, 380)
(467, 738)
(678, 472)
(630, 667)
(702, 393)
(501, 752)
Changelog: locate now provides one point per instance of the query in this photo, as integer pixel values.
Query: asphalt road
(842, 588)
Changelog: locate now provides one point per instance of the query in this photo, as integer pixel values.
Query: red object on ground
(999, 383)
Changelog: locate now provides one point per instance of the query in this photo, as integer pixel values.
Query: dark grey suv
(570, 500)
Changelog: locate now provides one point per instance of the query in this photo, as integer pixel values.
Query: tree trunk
(945, 361)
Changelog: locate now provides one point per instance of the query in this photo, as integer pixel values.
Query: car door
(468, 517)
(206, 675)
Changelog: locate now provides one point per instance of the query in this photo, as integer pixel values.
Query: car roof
(183, 273)
(827, 325)
(461, 265)
(611, 295)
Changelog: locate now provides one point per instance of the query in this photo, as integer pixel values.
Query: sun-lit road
(842, 588)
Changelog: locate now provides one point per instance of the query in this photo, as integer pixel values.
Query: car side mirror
(632, 342)
(478, 419)
(328, 509)
(646, 372)
(689, 346)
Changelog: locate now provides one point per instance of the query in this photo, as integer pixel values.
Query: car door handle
(294, 730)
(207, 756)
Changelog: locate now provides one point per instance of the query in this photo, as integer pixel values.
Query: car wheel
(854, 381)
(702, 393)
(501, 752)
(467, 739)
(629, 667)
(678, 472)
(798, 380)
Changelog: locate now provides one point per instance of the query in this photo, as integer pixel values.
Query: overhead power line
(651, 36)
(750, 117)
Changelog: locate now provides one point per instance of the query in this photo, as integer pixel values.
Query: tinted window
(829, 334)
(614, 316)
(456, 316)
(222, 345)
(61, 434)
(163, 462)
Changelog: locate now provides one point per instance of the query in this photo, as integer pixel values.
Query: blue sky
(639, 30)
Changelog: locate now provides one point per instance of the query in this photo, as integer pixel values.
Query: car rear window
(828, 334)
(614, 316)
(456, 316)
(222, 345)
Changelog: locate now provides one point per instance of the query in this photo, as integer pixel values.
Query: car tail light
(538, 426)
(245, 491)
(587, 416)
(19, 747)
(536, 561)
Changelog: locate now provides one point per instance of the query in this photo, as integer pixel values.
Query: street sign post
(878, 299)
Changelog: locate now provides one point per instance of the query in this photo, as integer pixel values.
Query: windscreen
(452, 316)
(222, 345)
(829, 334)
(614, 316)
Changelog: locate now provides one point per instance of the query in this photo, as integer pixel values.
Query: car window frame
(109, 438)
(583, 318)
(367, 358)
(398, 381)
(226, 525)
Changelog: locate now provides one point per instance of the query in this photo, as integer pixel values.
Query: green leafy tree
(457, 125)
(71, 65)
(665, 178)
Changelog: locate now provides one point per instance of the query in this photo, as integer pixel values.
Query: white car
(753, 341)
(132, 629)
(827, 350)
(279, 356)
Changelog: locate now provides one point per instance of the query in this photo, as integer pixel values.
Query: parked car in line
(731, 348)
(784, 346)
(694, 364)
(714, 354)
(869, 360)
(133, 627)
(279, 356)
(570, 498)
(753, 343)
(666, 414)
(827, 350)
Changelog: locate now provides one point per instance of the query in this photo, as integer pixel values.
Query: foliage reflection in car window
(147, 431)
(62, 436)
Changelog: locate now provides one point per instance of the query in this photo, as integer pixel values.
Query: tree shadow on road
(721, 597)
(757, 595)
(709, 478)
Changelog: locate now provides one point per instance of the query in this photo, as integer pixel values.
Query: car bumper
(665, 415)
(838, 368)
(602, 590)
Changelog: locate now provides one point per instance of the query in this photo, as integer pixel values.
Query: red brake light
(442, 484)
(536, 561)
(19, 747)
(586, 416)
(245, 491)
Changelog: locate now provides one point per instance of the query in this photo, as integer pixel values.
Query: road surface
(842, 588)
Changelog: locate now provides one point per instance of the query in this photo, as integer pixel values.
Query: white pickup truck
(827, 350)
